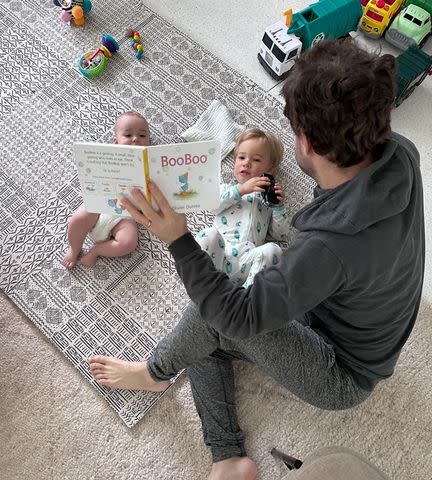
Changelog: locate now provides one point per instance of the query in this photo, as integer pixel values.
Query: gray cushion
(336, 463)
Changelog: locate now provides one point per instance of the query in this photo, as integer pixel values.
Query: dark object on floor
(330, 463)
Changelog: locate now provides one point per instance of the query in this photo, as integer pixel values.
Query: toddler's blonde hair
(274, 143)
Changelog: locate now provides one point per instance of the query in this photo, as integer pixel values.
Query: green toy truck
(413, 66)
(412, 26)
(283, 41)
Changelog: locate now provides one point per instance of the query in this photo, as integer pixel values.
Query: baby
(236, 241)
(112, 236)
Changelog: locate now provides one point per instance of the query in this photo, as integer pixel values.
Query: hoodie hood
(351, 207)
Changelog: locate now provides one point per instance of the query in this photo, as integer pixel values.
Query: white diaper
(102, 230)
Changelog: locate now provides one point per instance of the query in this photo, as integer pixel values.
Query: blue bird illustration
(112, 202)
(184, 180)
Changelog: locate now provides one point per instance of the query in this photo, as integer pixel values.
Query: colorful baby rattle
(73, 10)
(135, 43)
(93, 63)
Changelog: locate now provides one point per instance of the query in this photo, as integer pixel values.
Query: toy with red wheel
(93, 63)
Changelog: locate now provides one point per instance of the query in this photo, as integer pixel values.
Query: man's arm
(307, 274)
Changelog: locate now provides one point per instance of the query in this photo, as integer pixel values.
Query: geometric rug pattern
(122, 306)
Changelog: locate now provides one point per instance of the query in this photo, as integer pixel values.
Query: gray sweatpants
(295, 356)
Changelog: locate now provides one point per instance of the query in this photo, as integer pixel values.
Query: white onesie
(236, 241)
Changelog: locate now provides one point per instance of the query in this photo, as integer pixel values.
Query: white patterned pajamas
(236, 242)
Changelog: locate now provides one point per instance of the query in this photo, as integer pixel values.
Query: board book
(188, 174)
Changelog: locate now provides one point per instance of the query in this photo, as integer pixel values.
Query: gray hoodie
(354, 272)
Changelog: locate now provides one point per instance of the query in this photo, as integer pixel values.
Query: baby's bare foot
(115, 373)
(70, 258)
(89, 259)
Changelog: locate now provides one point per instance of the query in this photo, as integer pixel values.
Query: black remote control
(269, 194)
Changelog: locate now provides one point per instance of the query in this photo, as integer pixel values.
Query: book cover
(188, 174)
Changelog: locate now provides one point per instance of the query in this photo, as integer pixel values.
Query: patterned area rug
(124, 306)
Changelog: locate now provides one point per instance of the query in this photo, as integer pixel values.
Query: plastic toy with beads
(135, 41)
(73, 10)
(93, 63)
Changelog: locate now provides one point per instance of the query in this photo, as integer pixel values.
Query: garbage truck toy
(413, 66)
(377, 16)
(283, 41)
(412, 27)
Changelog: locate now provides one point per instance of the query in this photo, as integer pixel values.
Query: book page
(188, 174)
(107, 173)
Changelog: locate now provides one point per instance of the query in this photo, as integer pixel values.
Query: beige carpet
(53, 426)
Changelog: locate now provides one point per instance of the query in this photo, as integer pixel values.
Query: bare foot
(115, 373)
(70, 258)
(89, 259)
(234, 468)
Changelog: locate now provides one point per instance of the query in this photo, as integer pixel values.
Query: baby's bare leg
(79, 226)
(124, 241)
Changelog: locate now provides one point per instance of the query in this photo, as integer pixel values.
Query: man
(329, 321)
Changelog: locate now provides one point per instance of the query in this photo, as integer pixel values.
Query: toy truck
(283, 41)
(377, 15)
(413, 66)
(412, 26)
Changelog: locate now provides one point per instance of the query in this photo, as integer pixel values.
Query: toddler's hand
(280, 194)
(254, 184)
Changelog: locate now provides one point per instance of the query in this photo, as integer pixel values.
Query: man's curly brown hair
(340, 97)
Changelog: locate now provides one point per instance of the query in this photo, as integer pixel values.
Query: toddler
(236, 241)
(112, 236)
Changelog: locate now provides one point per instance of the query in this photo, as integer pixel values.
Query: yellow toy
(135, 43)
(377, 15)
